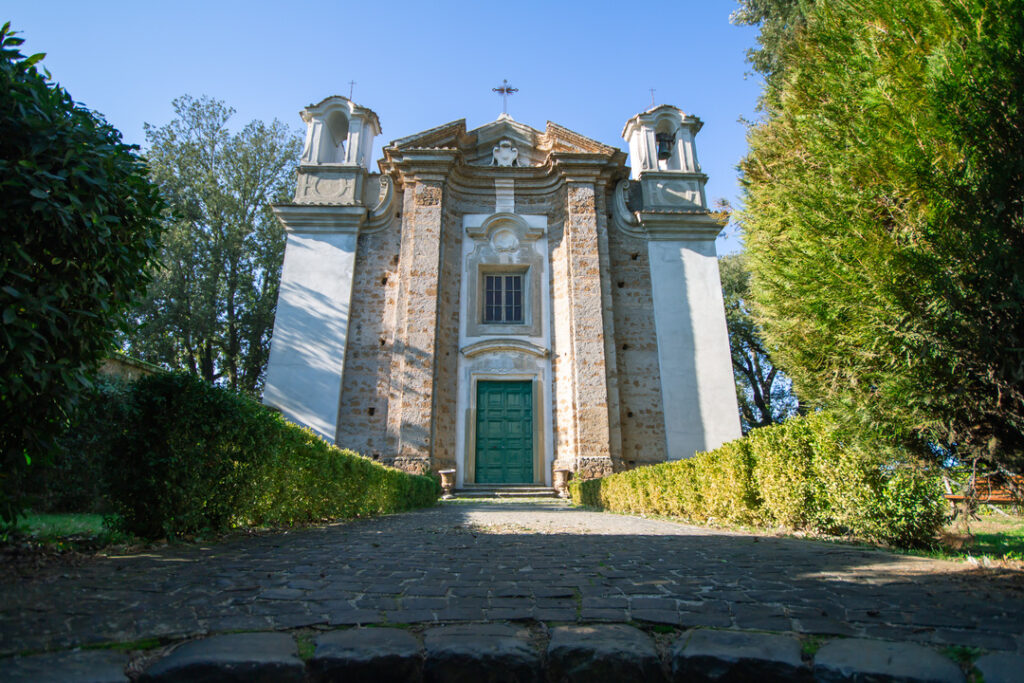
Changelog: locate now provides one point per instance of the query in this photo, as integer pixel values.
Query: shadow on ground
(511, 561)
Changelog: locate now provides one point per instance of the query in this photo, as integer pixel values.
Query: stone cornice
(588, 167)
(504, 219)
(504, 344)
(678, 225)
(421, 164)
(303, 218)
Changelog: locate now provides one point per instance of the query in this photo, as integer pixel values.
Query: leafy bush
(190, 458)
(81, 224)
(72, 480)
(797, 475)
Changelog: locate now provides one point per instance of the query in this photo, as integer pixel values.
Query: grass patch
(962, 654)
(306, 647)
(999, 538)
(810, 645)
(67, 531)
(995, 537)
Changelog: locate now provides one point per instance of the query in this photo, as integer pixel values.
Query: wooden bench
(987, 491)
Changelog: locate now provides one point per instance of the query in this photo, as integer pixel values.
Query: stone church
(504, 301)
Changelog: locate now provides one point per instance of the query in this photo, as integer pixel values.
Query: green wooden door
(504, 432)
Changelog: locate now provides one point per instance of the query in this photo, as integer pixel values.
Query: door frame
(469, 459)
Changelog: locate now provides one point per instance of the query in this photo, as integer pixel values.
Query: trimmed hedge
(797, 475)
(184, 457)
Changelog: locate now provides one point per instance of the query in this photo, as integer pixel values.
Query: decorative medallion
(504, 241)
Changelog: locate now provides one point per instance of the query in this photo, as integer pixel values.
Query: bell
(664, 141)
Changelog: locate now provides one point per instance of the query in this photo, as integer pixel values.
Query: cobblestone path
(512, 561)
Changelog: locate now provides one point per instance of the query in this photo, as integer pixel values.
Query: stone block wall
(639, 381)
(363, 409)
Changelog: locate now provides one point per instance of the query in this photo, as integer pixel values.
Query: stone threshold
(505, 491)
(514, 652)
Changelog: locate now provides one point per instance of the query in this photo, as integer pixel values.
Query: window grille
(503, 298)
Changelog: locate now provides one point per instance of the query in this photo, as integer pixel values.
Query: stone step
(505, 491)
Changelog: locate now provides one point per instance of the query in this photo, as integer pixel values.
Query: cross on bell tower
(505, 91)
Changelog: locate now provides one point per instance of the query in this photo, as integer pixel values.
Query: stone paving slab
(612, 652)
(366, 655)
(480, 653)
(261, 657)
(512, 561)
(1001, 668)
(704, 655)
(77, 666)
(842, 661)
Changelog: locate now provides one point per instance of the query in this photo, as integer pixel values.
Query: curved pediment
(504, 345)
(503, 142)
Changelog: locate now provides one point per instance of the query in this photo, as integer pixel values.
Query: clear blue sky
(585, 65)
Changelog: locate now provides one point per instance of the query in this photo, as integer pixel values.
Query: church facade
(503, 301)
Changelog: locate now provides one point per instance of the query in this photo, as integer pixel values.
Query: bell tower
(322, 223)
(339, 131)
(664, 158)
(664, 203)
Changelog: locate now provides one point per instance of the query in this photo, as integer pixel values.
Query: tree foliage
(765, 393)
(780, 22)
(81, 223)
(885, 219)
(211, 307)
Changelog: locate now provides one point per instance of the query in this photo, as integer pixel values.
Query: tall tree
(780, 22)
(764, 392)
(81, 225)
(211, 307)
(885, 219)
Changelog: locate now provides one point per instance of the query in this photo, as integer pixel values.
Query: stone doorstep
(522, 652)
(506, 491)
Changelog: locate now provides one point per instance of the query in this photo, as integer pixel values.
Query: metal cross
(652, 97)
(351, 87)
(505, 91)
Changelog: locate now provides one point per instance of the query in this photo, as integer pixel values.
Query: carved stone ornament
(505, 154)
(678, 193)
(504, 241)
(315, 187)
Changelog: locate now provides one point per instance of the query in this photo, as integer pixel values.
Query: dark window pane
(513, 299)
(492, 307)
(503, 298)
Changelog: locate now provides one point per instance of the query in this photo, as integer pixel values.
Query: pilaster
(423, 174)
(582, 345)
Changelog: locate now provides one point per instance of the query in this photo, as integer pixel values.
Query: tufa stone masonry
(503, 301)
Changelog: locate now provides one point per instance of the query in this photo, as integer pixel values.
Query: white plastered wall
(307, 353)
(697, 386)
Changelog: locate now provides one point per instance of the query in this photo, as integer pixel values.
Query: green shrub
(81, 226)
(191, 458)
(72, 480)
(801, 474)
(187, 457)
